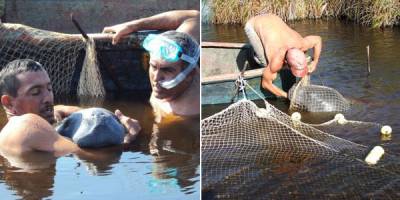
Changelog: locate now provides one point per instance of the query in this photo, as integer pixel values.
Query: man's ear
(6, 101)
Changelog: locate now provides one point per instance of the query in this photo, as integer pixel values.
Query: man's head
(297, 62)
(25, 87)
(172, 73)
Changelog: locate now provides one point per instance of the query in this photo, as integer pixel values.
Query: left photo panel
(100, 99)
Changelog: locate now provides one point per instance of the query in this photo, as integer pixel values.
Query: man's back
(275, 33)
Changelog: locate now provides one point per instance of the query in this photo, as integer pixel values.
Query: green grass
(374, 13)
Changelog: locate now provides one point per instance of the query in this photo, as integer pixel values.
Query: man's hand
(130, 124)
(120, 31)
(312, 66)
(61, 111)
(187, 21)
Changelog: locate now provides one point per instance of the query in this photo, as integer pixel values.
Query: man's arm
(30, 132)
(315, 42)
(62, 111)
(270, 73)
(187, 21)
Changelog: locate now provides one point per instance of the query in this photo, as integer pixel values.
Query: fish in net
(69, 60)
(305, 96)
(261, 153)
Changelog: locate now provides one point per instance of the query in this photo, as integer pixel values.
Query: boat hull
(221, 65)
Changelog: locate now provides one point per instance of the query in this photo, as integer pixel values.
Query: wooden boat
(221, 65)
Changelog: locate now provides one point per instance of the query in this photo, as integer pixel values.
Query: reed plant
(2, 7)
(375, 13)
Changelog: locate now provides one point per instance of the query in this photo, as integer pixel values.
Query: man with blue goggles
(174, 55)
(161, 47)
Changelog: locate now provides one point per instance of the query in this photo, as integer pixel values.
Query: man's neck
(9, 114)
(182, 105)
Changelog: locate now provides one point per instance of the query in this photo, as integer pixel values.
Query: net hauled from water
(261, 153)
(305, 96)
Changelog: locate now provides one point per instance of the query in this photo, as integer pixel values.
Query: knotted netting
(69, 60)
(310, 98)
(261, 153)
(305, 96)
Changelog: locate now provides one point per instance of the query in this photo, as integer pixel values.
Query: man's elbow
(266, 85)
(194, 13)
(318, 40)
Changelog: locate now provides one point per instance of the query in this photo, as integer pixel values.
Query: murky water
(342, 66)
(163, 163)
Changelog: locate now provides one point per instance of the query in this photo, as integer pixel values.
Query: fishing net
(305, 96)
(261, 153)
(69, 60)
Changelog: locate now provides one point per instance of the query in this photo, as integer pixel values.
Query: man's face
(160, 71)
(34, 95)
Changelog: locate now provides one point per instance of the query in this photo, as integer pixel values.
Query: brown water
(342, 66)
(162, 163)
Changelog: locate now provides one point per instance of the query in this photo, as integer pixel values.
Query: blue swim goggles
(165, 48)
(168, 50)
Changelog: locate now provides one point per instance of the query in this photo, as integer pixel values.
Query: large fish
(92, 128)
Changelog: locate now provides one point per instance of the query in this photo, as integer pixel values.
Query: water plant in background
(383, 13)
(374, 13)
(2, 7)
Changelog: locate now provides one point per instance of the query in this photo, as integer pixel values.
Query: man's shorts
(257, 45)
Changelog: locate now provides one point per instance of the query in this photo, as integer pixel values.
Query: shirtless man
(174, 74)
(275, 44)
(27, 98)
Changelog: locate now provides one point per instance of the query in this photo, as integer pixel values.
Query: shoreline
(375, 14)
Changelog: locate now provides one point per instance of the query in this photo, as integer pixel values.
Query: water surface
(163, 163)
(254, 167)
(343, 66)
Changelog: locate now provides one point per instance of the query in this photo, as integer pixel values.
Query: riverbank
(373, 13)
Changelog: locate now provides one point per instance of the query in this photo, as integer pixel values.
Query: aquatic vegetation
(374, 13)
(2, 7)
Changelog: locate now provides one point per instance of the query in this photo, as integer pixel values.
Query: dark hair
(9, 84)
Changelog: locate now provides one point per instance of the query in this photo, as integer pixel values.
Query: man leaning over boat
(174, 72)
(276, 44)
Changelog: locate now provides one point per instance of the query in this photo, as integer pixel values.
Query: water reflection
(374, 98)
(30, 176)
(162, 162)
(343, 66)
(175, 149)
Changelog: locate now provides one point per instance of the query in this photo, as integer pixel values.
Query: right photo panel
(300, 99)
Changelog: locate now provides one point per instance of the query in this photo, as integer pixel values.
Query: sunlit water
(343, 66)
(163, 163)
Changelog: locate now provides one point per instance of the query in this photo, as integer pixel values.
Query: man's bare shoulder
(20, 122)
(16, 132)
(265, 18)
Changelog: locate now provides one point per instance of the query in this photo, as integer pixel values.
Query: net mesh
(261, 153)
(315, 98)
(60, 55)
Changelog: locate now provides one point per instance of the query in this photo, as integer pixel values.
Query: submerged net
(315, 98)
(62, 55)
(261, 153)
(307, 97)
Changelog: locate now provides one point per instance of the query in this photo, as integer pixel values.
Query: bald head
(297, 62)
